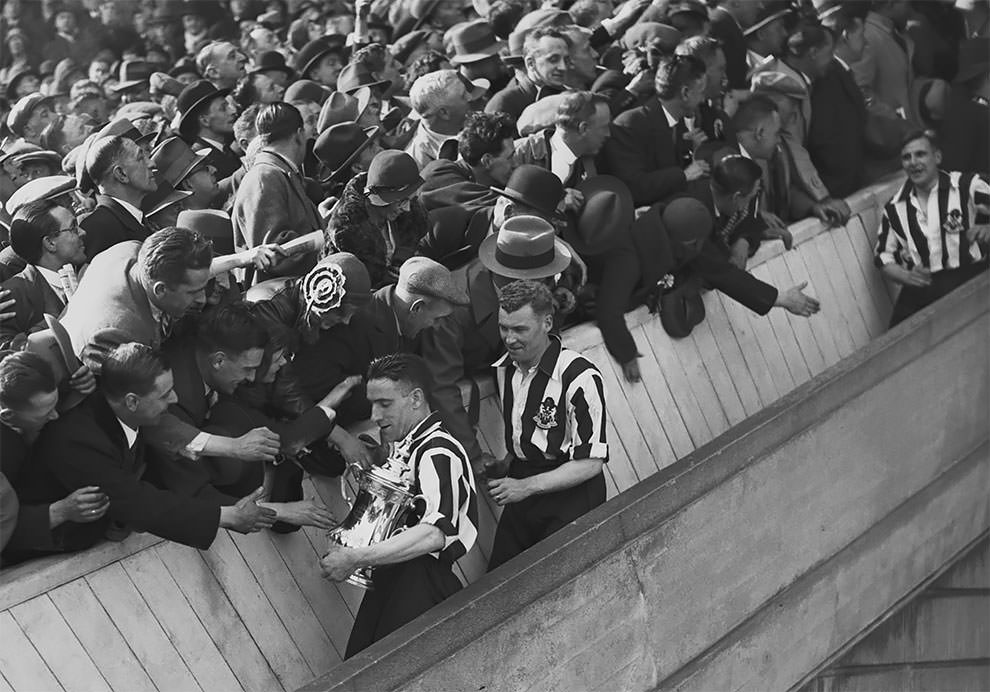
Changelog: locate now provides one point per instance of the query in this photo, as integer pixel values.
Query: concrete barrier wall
(747, 563)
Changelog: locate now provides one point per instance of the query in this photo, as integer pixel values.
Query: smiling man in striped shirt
(413, 568)
(935, 232)
(553, 407)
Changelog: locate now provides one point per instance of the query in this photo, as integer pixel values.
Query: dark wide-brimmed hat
(174, 160)
(535, 187)
(525, 247)
(357, 75)
(605, 218)
(133, 73)
(212, 224)
(343, 108)
(473, 42)
(309, 54)
(392, 176)
(194, 98)
(339, 145)
(272, 61)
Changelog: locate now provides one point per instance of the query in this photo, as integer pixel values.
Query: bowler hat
(525, 247)
(473, 42)
(133, 73)
(306, 90)
(974, 58)
(46, 187)
(193, 98)
(212, 224)
(534, 187)
(605, 218)
(183, 66)
(272, 61)
(175, 160)
(357, 75)
(392, 176)
(426, 277)
(309, 54)
(339, 145)
(23, 110)
(162, 198)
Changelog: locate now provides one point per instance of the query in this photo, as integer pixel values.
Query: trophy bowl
(380, 510)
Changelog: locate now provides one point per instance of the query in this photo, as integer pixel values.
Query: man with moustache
(412, 568)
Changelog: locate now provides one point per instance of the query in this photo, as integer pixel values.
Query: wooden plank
(663, 404)
(870, 229)
(832, 306)
(773, 273)
(256, 612)
(44, 627)
(751, 350)
(624, 423)
(289, 602)
(765, 337)
(100, 637)
(813, 357)
(23, 668)
(624, 405)
(680, 389)
(728, 347)
(687, 353)
(819, 325)
(327, 604)
(180, 621)
(874, 280)
(719, 376)
(844, 290)
(140, 629)
(4, 685)
(859, 289)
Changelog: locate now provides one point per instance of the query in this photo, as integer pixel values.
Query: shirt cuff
(609, 25)
(195, 448)
(329, 412)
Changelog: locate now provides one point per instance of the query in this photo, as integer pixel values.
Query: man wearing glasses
(47, 236)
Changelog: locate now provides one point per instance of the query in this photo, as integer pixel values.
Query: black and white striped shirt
(438, 468)
(555, 412)
(934, 235)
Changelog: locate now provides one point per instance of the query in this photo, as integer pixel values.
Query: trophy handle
(400, 529)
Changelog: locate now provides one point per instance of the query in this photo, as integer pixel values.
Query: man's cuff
(328, 412)
(609, 25)
(195, 448)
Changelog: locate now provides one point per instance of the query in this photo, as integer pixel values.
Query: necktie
(682, 147)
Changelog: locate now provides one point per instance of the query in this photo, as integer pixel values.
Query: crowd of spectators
(218, 213)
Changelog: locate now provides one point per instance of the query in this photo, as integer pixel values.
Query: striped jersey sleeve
(586, 413)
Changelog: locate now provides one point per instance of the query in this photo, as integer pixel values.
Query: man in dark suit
(28, 401)
(136, 388)
(136, 292)
(47, 236)
(837, 132)
(206, 119)
(123, 175)
(547, 54)
(727, 22)
(651, 149)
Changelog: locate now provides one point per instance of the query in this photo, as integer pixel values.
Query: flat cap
(426, 277)
(47, 187)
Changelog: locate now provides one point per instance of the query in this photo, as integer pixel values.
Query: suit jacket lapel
(138, 232)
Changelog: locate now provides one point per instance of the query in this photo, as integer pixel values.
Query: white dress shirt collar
(130, 434)
(131, 209)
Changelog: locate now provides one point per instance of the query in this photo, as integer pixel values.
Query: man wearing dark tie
(123, 175)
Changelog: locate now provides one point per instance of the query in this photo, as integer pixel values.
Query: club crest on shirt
(546, 418)
(953, 222)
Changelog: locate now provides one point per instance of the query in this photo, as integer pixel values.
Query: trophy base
(362, 579)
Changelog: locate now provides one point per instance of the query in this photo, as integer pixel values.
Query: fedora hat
(392, 176)
(133, 73)
(162, 198)
(212, 224)
(339, 108)
(339, 145)
(606, 216)
(194, 97)
(768, 14)
(272, 61)
(525, 247)
(306, 90)
(309, 54)
(473, 42)
(534, 187)
(357, 75)
(974, 58)
(175, 160)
